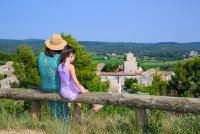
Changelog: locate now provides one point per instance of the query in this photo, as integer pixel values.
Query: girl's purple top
(68, 88)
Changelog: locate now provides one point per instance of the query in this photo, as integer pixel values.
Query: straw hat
(56, 42)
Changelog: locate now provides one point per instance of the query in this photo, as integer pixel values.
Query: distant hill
(154, 49)
(8, 45)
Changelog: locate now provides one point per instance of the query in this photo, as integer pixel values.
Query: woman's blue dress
(51, 83)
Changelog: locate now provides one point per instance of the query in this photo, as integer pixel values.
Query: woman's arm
(75, 80)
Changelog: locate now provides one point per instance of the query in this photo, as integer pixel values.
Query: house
(193, 54)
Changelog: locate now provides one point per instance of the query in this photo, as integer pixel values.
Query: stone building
(130, 64)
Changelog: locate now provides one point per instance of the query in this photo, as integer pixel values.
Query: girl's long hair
(66, 52)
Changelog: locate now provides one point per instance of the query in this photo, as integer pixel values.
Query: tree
(86, 70)
(129, 82)
(186, 81)
(5, 56)
(110, 68)
(159, 86)
(25, 65)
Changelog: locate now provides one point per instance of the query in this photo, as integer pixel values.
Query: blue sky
(102, 20)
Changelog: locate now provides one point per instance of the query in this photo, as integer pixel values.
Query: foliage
(129, 82)
(184, 124)
(11, 107)
(186, 82)
(6, 56)
(121, 122)
(135, 88)
(158, 87)
(2, 62)
(167, 67)
(25, 65)
(97, 86)
(110, 68)
(155, 124)
(3, 76)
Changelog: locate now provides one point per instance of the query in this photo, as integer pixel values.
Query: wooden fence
(140, 101)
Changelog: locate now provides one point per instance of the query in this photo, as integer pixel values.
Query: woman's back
(48, 67)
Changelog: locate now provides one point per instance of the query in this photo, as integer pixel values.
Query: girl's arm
(75, 80)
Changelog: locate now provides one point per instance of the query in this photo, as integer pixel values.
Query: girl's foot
(97, 107)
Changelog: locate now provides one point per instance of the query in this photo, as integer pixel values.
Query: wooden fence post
(35, 110)
(141, 115)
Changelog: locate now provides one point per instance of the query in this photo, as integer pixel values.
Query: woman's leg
(59, 110)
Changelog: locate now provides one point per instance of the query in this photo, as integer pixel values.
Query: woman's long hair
(66, 52)
(51, 53)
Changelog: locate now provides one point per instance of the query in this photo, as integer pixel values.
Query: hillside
(161, 49)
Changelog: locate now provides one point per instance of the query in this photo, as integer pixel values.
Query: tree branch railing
(140, 101)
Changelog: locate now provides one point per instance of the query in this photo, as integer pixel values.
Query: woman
(48, 62)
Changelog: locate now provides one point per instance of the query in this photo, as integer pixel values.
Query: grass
(117, 120)
(92, 123)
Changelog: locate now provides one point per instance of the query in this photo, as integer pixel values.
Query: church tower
(130, 64)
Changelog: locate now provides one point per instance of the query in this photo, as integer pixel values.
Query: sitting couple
(57, 74)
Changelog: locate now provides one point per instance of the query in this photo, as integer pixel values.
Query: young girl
(70, 86)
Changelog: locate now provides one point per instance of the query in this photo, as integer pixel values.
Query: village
(130, 69)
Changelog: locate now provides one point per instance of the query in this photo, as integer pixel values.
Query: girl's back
(68, 88)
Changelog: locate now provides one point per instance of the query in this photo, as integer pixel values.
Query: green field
(111, 59)
(144, 64)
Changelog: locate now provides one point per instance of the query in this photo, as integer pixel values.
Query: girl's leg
(78, 112)
(96, 107)
(70, 111)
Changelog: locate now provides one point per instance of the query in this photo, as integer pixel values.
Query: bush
(129, 82)
(185, 82)
(110, 68)
(11, 107)
(3, 76)
(2, 62)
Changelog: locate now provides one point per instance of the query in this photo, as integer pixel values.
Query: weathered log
(141, 117)
(179, 104)
(35, 110)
